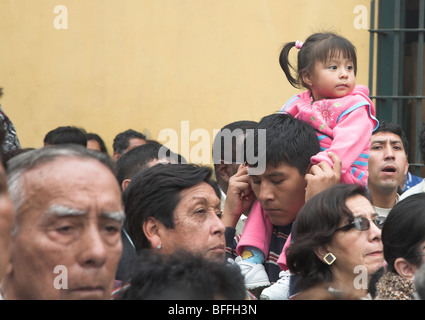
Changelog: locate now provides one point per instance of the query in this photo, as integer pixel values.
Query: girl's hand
(322, 176)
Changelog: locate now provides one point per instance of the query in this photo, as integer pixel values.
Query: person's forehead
(385, 137)
(201, 192)
(93, 144)
(360, 206)
(282, 169)
(135, 142)
(68, 162)
(65, 172)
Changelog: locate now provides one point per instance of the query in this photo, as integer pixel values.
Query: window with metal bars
(396, 63)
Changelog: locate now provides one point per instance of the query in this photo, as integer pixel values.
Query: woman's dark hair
(319, 47)
(155, 192)
(404, 231)
(315, 226)
(96, 137)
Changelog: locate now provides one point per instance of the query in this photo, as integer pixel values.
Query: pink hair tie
(298, 44)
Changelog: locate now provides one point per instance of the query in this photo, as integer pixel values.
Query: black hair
(66, 135)
(319, 47)
(155, 192)
(122, 139)
(287, 140)
(96, 137)
(230, 132)
(388, 126)
(183, 276)
(404, 231)
(137, 159)
(315, 226)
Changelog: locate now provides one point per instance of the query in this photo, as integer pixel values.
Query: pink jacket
(343, 125)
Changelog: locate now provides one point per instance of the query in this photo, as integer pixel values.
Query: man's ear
(116, 156)
(404, 268)
(151, 230)
(125, 183)
(407, 167)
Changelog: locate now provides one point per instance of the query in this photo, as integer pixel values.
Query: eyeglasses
(363, 224)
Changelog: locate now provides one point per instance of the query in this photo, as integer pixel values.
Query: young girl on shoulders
(343, 116)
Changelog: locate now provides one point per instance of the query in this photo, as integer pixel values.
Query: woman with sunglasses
(403, 237)
(336, 243)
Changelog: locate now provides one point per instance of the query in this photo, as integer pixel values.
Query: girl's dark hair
(315, 226)
(404, 231)
(319, 47)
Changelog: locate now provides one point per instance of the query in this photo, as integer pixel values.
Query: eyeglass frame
(353, 223)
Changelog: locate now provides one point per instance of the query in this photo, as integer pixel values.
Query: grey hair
(29, 160)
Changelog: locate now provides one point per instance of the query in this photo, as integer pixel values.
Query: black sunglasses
(363, 224)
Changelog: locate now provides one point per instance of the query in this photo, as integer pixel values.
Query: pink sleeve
(257, 231)
(282, 257)
(292, 110)
(291, 106)
(351, 136)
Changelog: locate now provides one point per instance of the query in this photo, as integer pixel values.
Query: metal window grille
(397, 56)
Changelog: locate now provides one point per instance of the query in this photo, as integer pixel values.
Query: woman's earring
(158, 247)
(329, 258)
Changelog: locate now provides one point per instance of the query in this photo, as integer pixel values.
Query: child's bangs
(334, 47)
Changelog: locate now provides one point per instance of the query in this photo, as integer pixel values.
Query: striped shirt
(279, 236)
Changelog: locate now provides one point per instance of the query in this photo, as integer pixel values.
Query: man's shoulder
(413, 190)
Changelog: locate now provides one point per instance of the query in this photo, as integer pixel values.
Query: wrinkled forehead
(73, 179)
(201, 192)
(360, 206)
(71, 168)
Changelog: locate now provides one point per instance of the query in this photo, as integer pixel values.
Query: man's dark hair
(388, 126)
(66, 135)
(288, 140)
(183, 276)
(136, 160)
(121, 140)
(230, 132)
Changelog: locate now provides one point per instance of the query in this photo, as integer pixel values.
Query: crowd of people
(325, 210)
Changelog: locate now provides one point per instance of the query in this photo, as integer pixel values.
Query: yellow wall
(149, 64)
